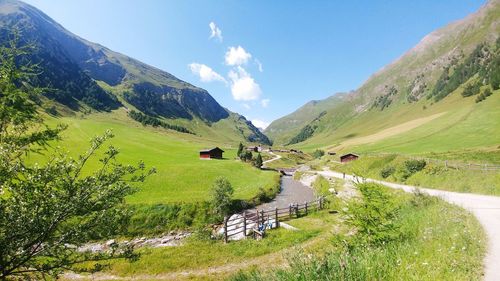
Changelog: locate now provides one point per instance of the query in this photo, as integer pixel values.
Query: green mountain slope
(418, 98)
(81, 75)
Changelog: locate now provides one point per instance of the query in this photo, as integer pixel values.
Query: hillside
(435, 94)
(81, 76)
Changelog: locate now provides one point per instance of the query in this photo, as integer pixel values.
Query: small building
(348, 157)
(253, 148)
(332, 153)
(212, 153)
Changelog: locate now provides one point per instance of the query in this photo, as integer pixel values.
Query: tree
(48, 210)
(240, 149)
(221, 196)
(258, 161)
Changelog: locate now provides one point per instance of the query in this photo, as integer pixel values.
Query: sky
(262, 59)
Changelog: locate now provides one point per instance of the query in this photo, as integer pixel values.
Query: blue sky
(263, 59)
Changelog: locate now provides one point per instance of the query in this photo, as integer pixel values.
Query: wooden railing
(257, 221)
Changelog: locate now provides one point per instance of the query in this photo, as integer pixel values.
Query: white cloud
(246, 106)
(265, 102)
(243, 86)
(259, 65)
(215, 31)
(260, 123)
(237, 56)
(205, 73)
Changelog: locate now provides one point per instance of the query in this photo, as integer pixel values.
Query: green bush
(387, 171)
(486, 93)
(413, 166)
(374, 216)
(318, 153)
(471, 89)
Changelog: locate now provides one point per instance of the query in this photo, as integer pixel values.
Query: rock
(110, 242)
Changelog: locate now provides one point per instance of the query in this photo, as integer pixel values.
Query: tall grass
(430, 240)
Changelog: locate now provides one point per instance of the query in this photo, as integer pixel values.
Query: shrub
(374, 215)
(471, 89)
(413, 166)
(483, 95)
(246, 156)
(387, 171)
(318, 153)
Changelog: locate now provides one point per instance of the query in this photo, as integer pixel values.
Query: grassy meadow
(181, 176)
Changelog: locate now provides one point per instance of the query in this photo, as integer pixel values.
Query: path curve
(485, 208)
(276, 157)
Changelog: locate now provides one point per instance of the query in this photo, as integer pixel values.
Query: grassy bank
(434, 175)
(409, 237)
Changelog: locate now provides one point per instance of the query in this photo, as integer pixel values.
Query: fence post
(262, 216)
(290, 211)
(320, 203)
(306, 207)
(276, 217)
(225, 229)
(296, 210)
(245, 224)
(257, 221)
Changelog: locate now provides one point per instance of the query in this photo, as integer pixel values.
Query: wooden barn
(212, 153)
(348, 157)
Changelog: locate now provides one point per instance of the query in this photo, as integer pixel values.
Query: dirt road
(485, 208)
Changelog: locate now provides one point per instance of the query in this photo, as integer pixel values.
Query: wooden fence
(446, 163)
(257, 221)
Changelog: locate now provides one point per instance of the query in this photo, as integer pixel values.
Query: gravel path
(485, 208)
(292, 191)
(276, 157)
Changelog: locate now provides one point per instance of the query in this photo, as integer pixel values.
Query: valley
(99, 150)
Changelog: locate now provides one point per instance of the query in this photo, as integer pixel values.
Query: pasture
(181, 176)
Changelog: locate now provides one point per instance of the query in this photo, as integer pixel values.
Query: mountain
(83, 75)
(441, 86)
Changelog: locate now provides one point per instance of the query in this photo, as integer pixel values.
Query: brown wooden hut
(212, 153)
(348, 157)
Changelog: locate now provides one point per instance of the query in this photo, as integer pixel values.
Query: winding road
(485, 208)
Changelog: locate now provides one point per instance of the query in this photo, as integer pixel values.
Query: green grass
(181, 176)
(438, 241)
(289, 160)
(199, 254)
(432, 176)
